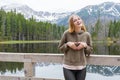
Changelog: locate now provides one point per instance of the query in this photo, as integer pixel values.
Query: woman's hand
(77, 45)
(72, 45)
(82, 45)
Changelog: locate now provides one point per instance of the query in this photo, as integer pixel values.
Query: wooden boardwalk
(29, 60)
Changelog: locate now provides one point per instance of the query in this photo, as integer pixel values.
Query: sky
(57, 5)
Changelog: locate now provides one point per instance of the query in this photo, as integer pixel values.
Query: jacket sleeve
(62, 44)
(89, 48)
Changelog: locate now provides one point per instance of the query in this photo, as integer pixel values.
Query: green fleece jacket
(75, 57)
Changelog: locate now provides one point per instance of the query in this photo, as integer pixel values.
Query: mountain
(90, 14)
(28, 13)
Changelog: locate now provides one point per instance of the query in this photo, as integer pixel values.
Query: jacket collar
(81, 31)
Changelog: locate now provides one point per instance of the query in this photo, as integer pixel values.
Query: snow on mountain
(90, 14)
(29, 12)
(107, 8)
(105, 11)
(110, 8)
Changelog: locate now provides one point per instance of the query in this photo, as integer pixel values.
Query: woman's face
(77, 22)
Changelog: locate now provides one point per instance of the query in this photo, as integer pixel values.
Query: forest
(13, 26)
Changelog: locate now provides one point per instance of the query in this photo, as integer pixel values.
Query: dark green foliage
(114, 29)
(15, 27)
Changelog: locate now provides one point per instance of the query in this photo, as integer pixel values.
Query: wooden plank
(11, 57)
(24, 78)
(44, 57)
(112, 60)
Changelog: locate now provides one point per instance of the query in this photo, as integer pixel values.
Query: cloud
(56, 5)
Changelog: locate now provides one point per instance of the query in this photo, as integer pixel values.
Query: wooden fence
(29, 60)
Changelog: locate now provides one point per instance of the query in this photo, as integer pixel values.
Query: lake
(55, 70)
(98, 48)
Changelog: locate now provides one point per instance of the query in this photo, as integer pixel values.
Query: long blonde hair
(72, 26)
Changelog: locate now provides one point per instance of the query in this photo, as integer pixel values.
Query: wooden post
(29, 69)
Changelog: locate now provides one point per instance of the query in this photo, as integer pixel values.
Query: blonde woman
(74, 42)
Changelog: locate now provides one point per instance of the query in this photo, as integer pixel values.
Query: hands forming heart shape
(77, 44)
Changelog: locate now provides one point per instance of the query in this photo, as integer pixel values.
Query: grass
(103, 41)
(50, 41)
(23, 42)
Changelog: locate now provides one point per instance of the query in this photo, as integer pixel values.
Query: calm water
(55, 70)
(106, 49)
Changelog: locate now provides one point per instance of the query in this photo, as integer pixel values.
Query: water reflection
(30, 48)
(11, 67)
(54, 70)
(106, 49)
(98, 48)
(104, 70)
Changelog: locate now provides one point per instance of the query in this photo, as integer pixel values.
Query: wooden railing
(29, 60)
